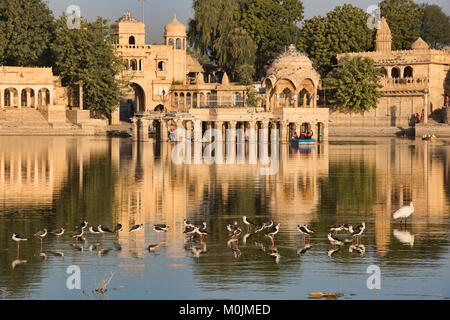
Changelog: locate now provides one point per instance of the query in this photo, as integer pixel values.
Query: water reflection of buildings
(405, 171)
(153, 188)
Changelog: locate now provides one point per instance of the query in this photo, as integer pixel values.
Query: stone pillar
(198, 134)
(163, 132)
(28, 99)
(264, 133)
(189, 133)
(208, 130)
(143, 130)
(219, 130)
(11, 98)
(1, 98)
(298, 128)
(81, 97)
(252, 132)
(115, 116)
(180, 126)
(283, 131)
(134, 128)
(231, 132)
(425, 107)
(325, 132)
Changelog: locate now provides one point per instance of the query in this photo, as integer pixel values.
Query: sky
(160, 12)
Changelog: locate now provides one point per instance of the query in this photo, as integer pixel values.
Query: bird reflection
(404, 237)
(333, 251)
(360, 249)
(57, 253)
(17, 262)
(153, 247)
(77, 246)
(197, 251)
(246, 237)
(275, 255)
(103, 252)
(94, 246)
(303, 250)
(260, 246)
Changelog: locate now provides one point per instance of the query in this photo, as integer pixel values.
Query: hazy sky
(160, 12)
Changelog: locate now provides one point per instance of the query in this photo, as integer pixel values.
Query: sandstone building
(414, 80)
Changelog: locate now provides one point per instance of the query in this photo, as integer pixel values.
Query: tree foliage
(343, 29)
(354, 86)
(435, 27)
(86, 57)
(26, 31)
(259, 29)
(404, 18)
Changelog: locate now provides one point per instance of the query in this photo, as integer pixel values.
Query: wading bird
(58, 232)
(17, 238)
(404, 212)
(248, 222)
(305, 231)
(41, 235)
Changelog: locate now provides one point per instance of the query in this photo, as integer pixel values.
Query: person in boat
(295, 136)
(303, 135)
(309, 135)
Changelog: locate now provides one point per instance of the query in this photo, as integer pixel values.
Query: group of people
(420, 117)
(304, 135)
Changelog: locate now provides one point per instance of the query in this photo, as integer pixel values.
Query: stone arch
(384, 72)
(238, 99)
(160, 108)
(133, 64)
(182, 99)
(43, 97)
(131, 40)
(178, 44)
(395, 72)
(139, 97)
(11, 97)
(141, 64)
(408, 72)
(188, 99)
(171, 43)
(161, 66)
(28, 98)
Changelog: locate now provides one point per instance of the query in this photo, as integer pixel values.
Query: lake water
(50, 182)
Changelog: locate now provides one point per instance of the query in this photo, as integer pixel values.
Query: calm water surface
(53, 182)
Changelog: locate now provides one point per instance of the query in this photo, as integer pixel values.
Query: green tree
(236, 54)
(404, 18)
(272, 24)
(354, 86)
(435, 26)
(343, 29)
(86, 57)
(269, 25)
(26, 30)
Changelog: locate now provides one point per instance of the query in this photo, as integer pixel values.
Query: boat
(293, 140)
(120, 134)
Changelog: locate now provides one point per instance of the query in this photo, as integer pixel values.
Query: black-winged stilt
(358, 231)
(41, 235)
(248, 222)
(334, 241)
(305, 230)
(17, 238)
(58, 232)
(136, 227)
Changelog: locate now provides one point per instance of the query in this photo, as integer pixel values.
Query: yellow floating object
(325, 295)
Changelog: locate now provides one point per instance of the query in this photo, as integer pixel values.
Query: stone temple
(414, 80)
